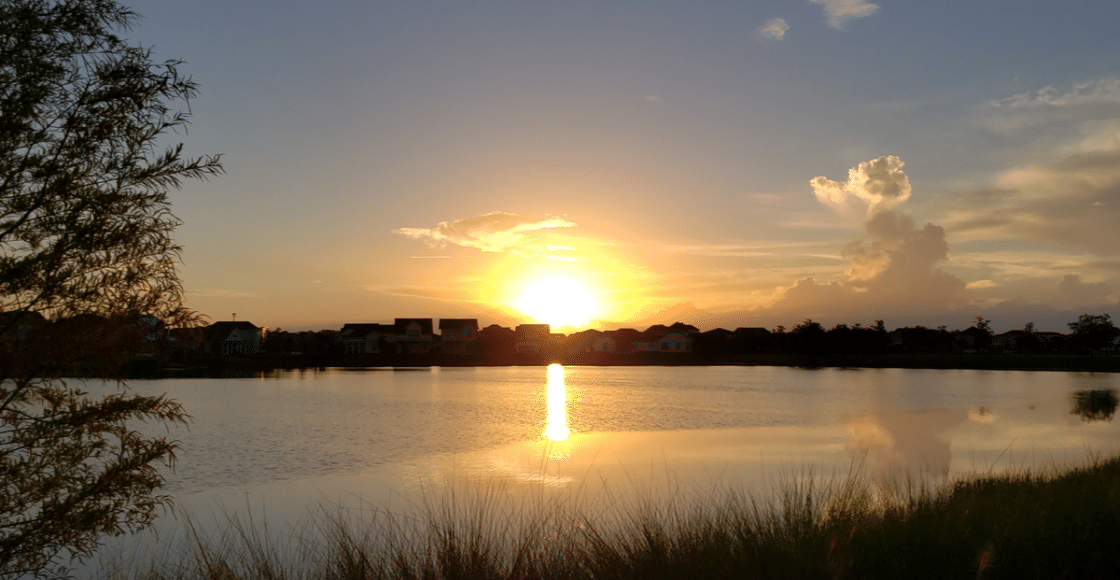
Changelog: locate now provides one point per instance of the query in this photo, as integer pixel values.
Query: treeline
(808, 343)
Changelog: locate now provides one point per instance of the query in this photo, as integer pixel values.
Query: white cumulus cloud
(774, 29)
(839, 12)
(880, 183)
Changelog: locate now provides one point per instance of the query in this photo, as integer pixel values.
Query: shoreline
(147, 368)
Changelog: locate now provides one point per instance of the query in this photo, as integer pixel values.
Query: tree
(1092, 332)
(85, 251)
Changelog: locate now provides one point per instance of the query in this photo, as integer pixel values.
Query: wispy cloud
(1099, 91)
(222, 293)
(839, 12)
(1066, 190)
(493, 232)
(774, 29)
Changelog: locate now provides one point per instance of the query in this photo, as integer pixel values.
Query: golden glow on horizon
(595, 286)
(556, 423)
(558, 301)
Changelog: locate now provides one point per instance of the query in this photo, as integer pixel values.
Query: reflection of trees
(1095, 404)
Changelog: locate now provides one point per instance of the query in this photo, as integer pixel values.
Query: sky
(606, 164)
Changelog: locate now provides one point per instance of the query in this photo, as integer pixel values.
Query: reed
(1042, 524)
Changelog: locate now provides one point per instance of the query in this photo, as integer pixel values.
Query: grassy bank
(1024, 525)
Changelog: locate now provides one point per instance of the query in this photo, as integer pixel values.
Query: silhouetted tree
(977, 337)
(1092, 332)
(809, 338)
(85, 243)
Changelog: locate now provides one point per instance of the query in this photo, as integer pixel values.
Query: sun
(558, 301)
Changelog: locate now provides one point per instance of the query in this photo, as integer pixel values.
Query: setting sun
(558, 301)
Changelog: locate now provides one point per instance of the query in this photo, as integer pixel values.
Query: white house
(413, 335)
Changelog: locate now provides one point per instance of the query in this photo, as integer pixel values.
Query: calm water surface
(285, 443)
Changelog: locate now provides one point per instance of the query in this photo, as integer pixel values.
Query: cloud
(839, 12)
(1073, 292)
(1070, 193)
(893, 269)
(880, 183)
(774, 29)
(1099, 91)
(222, 293)
(493, 232)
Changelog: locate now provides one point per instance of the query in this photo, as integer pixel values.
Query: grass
(1053, 524)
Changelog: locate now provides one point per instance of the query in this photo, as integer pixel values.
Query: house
(677, 338)
(604, 343)
(365, 337)
(413, 335)
(675, 342)
(533, 338)
(157, 336)
(17, 328)
(624, 338)
(236, 337)
(458, 335)
(1015, 340)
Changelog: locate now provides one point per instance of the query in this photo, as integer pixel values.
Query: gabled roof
(687, 329)
(533, 330)
(220, 330)
(402, 324)
(457, 323)
(362, 329)
(624, 335)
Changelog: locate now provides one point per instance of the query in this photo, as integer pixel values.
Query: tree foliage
(85, 249)
(1092, 332)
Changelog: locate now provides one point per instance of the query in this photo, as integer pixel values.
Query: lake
(283, 445)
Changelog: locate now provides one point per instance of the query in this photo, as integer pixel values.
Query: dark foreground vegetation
(1024, 525)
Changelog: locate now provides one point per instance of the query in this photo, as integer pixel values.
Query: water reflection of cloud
(905, 441)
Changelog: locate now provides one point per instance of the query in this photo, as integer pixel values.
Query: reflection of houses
(533, 339)
(228, 338)
(413, 335)
(457, 335)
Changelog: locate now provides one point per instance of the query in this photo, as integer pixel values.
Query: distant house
(533, 339)
(675, 342)
(458, 335)
(413, 335)
(604, 343)
(17, 328)
(157, 336)
(365, 337)
(228, 338)
(1015, 340)
(624, 338)
(677, 338)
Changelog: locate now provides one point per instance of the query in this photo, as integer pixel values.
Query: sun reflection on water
(556, 423)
